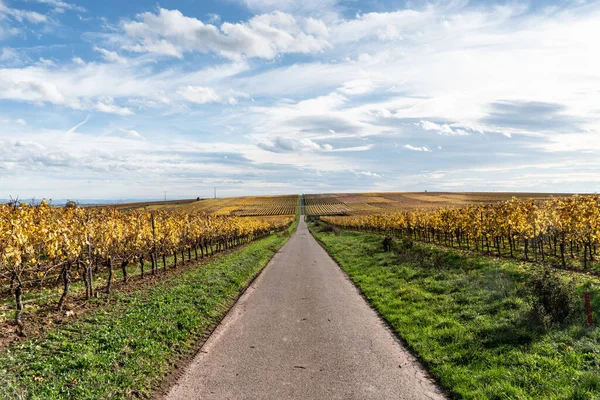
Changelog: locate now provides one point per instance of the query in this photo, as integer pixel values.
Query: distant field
(250, 206)
(381, 203)
(149, 204)
(333, 203)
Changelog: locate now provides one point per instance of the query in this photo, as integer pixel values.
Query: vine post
(154, 255)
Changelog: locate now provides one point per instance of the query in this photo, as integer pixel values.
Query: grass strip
(125, 349)
(468, 318)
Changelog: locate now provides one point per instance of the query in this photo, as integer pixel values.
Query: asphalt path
(303, 331)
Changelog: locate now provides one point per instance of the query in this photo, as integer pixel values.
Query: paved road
(302, 331)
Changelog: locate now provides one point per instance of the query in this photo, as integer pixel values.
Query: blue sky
(127, 99)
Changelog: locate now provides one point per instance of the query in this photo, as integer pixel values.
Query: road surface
(303, 331)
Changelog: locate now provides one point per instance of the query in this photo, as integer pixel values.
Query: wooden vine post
(66, 275)
(89, 270)
(588, 309)
(36, 241)
(154, 256)
(109, 264)
(19, 301)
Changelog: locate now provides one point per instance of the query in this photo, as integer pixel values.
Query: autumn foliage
(38, 241)
(563, 229)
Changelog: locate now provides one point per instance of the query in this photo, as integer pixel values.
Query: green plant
(468, 319)
(327, 228)
(552, 297)
(405, 245)
(387, 244)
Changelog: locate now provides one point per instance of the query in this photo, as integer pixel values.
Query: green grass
(468, 318)
(35, 298)
(126, 348)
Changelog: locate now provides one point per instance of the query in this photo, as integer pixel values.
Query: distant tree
(70, 204)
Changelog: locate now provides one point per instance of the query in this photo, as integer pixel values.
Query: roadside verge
(126, 348)
(470, 319)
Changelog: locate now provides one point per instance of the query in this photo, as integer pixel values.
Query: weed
(552, 297)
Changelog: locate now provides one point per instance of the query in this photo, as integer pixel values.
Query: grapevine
(36, 240)
(558, 229)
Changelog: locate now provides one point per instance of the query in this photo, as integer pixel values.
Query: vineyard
(48, 247)
(335, 204)
(339, 204)
(324, 205)
(261, 206)
(250, 206)
(109, 284)
(564, 231)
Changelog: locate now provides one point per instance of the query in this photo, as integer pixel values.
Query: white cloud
(583, 142)
(199, 94)
(131, 133)
(107, 105)
(281, 144)
(205, 95)
(417, 148)
(18, 121)
(46, 62)
(213, 18)
(368, 173)
(316, 27)
(387, 26)
(61, 6)
(370, 80)
(75, 85)
(358, 86)
(34, 91)
(79, 125)
(293, 6)
(111, 56)
(107, 164)
(9, 54)
(434, 71)
(264, 36)
(285, 145)
(352, 149)
(442, 129)
(22, 15)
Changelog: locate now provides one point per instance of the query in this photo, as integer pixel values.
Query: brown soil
(46, 317)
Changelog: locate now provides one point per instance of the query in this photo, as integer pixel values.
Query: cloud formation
(266, 36)
(284, 145)
(417, 148)
(60, 6)
(292, 6)
(310, 96)
(22, 15)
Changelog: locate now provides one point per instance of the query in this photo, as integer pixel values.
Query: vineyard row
(37, 239)
(552, 231)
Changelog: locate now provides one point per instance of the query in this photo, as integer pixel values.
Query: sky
(130, 99)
